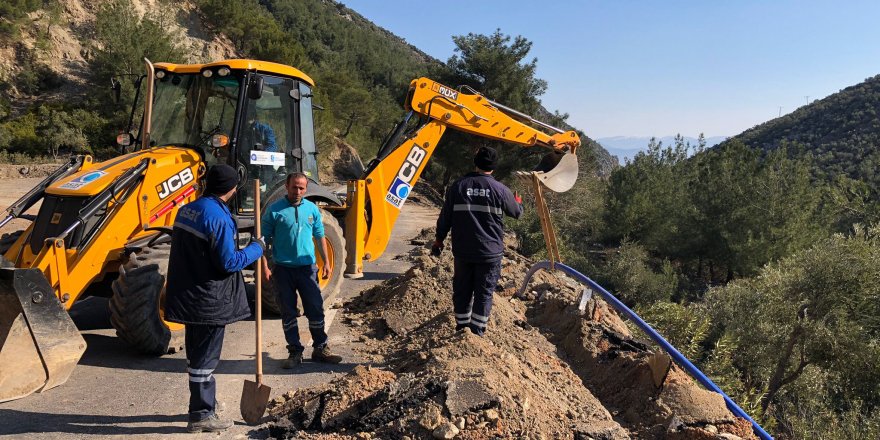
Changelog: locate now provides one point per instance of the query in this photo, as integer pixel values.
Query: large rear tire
(137, 305)
(336, 254)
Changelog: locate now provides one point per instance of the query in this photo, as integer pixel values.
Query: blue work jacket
(205, 285)
(474, 210)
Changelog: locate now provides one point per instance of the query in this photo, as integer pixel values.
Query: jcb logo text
(411, 165)
(174, 183)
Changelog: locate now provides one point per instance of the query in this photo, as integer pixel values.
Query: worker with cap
(474, 210)
(205, 288)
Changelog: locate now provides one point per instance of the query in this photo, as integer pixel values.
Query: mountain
(841, 132)
(625, 147)
(56, 61)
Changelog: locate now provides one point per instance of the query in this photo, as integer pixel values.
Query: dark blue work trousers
(472, 287)
(303, 280)
(203, 345)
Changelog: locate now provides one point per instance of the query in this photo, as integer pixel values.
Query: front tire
(137, 305)
(335, 253)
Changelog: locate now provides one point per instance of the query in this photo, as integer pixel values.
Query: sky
(657, 68)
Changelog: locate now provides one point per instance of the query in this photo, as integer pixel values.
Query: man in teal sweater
(290, 224)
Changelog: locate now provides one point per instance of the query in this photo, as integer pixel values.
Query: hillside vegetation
(842, 133)
(756, 269)
(55, 99)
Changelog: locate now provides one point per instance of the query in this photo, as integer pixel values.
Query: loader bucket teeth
(558, 171)
(40, 343)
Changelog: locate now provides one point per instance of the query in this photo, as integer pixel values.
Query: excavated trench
(546, 369)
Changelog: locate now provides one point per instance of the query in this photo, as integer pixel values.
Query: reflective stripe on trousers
(473, 285)
(203, 345)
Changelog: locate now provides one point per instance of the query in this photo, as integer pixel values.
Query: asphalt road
(115, 392)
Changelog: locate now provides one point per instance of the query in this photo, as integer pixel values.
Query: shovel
(255, 395)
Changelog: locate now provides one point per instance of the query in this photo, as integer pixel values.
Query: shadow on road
(91, 313)
(110, 352)
(378, 276)
(44, 423)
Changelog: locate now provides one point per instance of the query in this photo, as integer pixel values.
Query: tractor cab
(255, 116)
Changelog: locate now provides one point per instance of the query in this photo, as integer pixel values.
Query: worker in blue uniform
(474, 210)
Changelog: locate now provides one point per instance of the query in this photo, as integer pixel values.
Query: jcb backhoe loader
(112, 220)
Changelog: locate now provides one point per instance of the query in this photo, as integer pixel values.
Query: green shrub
(629, 275)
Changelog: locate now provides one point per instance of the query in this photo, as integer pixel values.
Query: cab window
(267, 136)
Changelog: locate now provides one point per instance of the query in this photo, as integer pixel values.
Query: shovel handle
(259, 286)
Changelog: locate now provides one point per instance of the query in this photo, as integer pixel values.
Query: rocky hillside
(56, 58)
(62, 39)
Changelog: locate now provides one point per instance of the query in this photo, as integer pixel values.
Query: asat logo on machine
(400, 188)
(445, 91)
(174, 183)
(83, 180)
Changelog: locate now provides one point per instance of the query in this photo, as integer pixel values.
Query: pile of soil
(11, 171)
(548, 367)
(339, 162)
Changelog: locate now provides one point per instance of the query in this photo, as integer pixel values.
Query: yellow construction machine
(110, 222)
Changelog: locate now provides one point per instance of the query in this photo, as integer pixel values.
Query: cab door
(269, 138)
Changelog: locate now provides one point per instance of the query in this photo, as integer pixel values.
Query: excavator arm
(374, 201)
(475, 114)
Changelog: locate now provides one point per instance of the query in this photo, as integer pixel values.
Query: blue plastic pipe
(679, 358)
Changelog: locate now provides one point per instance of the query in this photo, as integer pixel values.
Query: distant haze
(626, 147)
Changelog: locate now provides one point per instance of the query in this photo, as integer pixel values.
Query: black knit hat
(486, 158)
(221, 179)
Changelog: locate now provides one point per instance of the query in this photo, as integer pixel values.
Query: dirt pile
(545, 369)
(339, 162)
(11, 171)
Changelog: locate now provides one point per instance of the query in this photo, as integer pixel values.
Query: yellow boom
(374, 202)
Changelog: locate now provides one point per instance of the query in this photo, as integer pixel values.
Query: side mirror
(255, 88)
(295, 94)
(297, 153)
(124, 139)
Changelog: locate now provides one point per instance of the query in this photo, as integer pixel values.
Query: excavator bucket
(40, 343)
(558, 171)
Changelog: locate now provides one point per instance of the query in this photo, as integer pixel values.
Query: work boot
(212, 423)
(323, 354)
(293, 359)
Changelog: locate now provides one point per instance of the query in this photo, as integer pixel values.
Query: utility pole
(780, 111)
(807, 98)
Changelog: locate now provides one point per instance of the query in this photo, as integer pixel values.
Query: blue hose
(679, 358)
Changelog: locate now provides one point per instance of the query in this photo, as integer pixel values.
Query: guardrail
(676, 355)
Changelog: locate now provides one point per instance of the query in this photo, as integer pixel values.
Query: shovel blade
(254, 399)
(558, 171)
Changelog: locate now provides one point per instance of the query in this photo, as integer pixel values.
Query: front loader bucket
(40, 343)
(558, 171)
